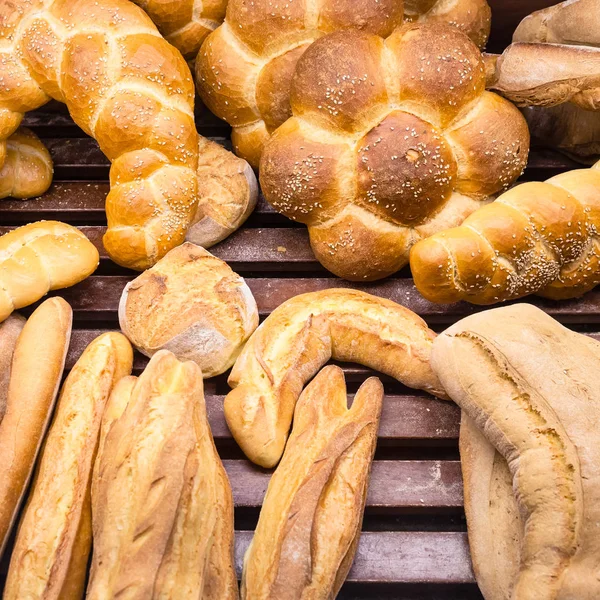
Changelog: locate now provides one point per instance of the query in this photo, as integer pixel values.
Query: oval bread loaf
(192, 304)
(40, 257)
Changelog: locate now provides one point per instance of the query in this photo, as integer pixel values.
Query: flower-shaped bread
(245, 67)
(391, 141)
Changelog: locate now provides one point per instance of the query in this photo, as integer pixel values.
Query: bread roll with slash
(161, 503)
(311, 516)
(133, 92)
(537, 238)
(50, 556)
(32, 358)
(298, 338)
(530, 386)
(192, 304)
(40, 257)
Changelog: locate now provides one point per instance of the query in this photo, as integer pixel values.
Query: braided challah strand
(129, 89)
(537, 238)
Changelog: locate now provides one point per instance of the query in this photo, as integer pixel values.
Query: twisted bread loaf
(538, 238)
(27, 168)
(129, 89)
(185, 23)
(310, 521)
(298, 338)
(245, 67)
(391, 140)
(161, 505)
(40, 257)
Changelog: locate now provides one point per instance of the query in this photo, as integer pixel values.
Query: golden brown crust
(531, 386)
(192, 304)
(298, 338)
(27, 169)
(162, 505)
(40, 257)
(386, 137)
(36, 368)
(9, 333)
(49, 560)
(537, 238)
(244, 69)
(311, 517)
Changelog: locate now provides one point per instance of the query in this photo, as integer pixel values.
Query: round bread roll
(192, 304)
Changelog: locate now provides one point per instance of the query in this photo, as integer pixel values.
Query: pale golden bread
(162, 505)
(310, 520)
(531, 386)
(245, 67)
(298, 338)
(40, 257)
(537, 238)
(27, 169)
(192, 304)
(50, 556)
(36, 365)
(391, 141)
(185, 23)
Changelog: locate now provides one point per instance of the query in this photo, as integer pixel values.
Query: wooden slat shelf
(414, 544)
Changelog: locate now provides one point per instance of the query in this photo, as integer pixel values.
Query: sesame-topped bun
(537, 238)
(244, 69)
(390, 141)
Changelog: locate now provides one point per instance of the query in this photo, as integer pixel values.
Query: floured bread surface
(532, 387)
(192, 304)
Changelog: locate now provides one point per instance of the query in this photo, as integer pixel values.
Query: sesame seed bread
(391, 141)
(538, 238)
(530, 386)
(50, 556)
(298, 338)
(310, 521)
(27, 168)
(192, 304)
(40, 257)
(162, 507)
(133, 92)
(245, 67)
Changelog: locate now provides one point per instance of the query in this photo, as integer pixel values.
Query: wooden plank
(405, 484)
(403, 557)
(97, 298)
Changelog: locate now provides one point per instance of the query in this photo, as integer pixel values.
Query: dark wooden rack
(414, 543)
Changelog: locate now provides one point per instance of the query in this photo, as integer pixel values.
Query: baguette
(27, 169)
(310, 521)
(37, 361)
(537, 238)
(531, 386)
(40, 257)
(192, 304)
(162, 505)
(298, 338)
(9, 334)
(49, 560)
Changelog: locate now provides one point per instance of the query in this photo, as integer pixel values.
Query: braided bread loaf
(40, 257)
(185, 23)
(538, 238)
(27, 168)
(391, 141)
(244, 69)
(129, 89)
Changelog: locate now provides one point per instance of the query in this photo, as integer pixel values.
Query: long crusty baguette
(537, 238)
(27, 169)
(40, 257)
(298, 338)
(162, 506)
(9, 333)
(311, 516)
(531, 386)
(49, 560)
(36, 368)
